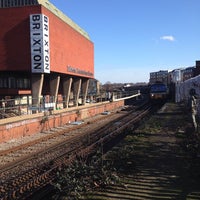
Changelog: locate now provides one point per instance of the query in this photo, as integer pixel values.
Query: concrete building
(188, 73)
(159, 76)
(197, 68)
(177, 75)
(43, 53)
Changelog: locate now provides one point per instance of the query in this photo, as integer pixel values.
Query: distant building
(174, 76)
(160, 76)
(197, 68)
(177, 75)
(188, 73)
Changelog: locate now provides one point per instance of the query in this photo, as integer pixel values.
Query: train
(158, 91)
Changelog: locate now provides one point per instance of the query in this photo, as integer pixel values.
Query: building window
(3, 82)
(11, 82)
(20, 83)
(23, 83)
(15, 82)
(27, 83)
(13, 3)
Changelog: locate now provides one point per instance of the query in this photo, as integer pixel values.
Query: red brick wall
(15, 39)
(67, 46)
(29, 125)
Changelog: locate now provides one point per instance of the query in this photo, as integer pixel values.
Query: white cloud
(168, 37)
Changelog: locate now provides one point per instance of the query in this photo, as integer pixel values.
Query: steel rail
(36, 178)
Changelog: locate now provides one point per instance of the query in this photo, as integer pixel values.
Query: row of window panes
(12, 3)
(15, 83)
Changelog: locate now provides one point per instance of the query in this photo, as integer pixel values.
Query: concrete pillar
(76, 90)
(37, 83)
(98, 87)
(85, 83)
(67, 85)
(54, 86)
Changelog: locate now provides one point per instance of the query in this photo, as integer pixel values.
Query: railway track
(33, 165)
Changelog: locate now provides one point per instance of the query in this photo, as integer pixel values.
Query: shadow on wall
(17, 46)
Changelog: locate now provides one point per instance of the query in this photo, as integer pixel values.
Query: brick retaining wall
(16, 127)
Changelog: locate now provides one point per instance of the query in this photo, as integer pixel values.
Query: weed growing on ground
(83, 175)
(101, 170)
(151, 126)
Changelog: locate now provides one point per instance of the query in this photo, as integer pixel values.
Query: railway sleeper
(33, 181)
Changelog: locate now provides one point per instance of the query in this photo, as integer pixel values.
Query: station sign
(39, 40)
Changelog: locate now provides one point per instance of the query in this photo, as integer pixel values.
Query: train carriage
(158, 91)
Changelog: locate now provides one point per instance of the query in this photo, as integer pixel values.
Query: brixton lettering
(36, 18)
(40, 49)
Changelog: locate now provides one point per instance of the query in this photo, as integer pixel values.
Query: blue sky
(135, 37)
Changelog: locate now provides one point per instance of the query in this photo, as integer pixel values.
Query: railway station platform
(26, 125)
(20, 126)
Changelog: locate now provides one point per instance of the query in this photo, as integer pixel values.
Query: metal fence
(25, 106)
